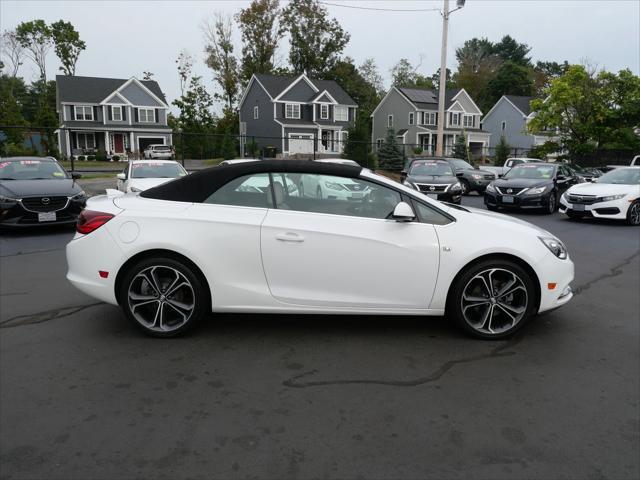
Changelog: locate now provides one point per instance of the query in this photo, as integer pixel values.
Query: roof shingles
(275, 84)
(96, 89)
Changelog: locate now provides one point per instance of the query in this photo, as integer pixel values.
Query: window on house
(255, 113)
(390, 121)
(341, 114)
(292, 110)
(455, 119)
(86, 140)
(146, 115)
(116, 114)
(411, 115)
(468, 121)
(324, 112)
(430, 118)
(503, 126)
(84, 112)
(379, 143)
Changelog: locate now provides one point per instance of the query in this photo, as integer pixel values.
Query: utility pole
(443, 74)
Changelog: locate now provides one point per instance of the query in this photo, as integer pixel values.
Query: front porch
(332, 141)
(113, 145)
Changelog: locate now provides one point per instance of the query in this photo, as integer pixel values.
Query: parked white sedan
(158, 151)
(140, 175)
(172, 255)
(614, 195)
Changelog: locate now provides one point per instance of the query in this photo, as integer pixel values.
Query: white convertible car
(614, 195)
(206, 243)
(140, 175)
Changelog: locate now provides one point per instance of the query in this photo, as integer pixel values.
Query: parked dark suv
(471, 178)
(37, 191)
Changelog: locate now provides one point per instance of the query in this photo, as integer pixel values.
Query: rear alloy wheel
(633, 214)
(493, 299)
(163, 297)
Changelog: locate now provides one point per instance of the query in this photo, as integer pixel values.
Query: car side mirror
(76, 175)
(561, 178)
(121, 176)
(403, 213)
(500, 175)
(460, 174)
(403, 175)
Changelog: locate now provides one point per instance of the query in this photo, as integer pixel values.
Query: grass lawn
(84, 165)
(212, 161)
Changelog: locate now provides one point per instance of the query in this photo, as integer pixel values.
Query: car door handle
(290, 237)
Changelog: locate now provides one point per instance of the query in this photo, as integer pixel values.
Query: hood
(473, 170)
(603, 189)
(500, 219)
(521, 182)
(38, 188)
(434, 179)
(145, 183)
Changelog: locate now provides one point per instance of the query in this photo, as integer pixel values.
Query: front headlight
(555, 246)
(408, 184)
(79, 196)
(477, 176)
(456, 187)
(4, 199)
(535, 191)
(333, 185)
(612, 197)
(491, 188)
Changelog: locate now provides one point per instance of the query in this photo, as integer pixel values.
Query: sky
(125, 38)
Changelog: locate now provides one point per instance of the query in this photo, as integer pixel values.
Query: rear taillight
(90, 220)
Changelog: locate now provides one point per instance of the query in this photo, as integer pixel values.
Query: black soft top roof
(199, 185)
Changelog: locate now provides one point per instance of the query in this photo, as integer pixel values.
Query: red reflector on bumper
(551, 286)
(103, 274)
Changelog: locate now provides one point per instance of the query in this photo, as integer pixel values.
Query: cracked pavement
(84, 395)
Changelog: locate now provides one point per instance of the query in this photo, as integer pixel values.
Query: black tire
(467, 280)
(466, 188)
(553, 203)
(633, 214)
(177, 318)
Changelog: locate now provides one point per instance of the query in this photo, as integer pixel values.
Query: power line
(383, 9)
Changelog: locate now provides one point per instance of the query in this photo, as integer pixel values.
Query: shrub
(101, 155)
(115, 158)
(417, 150)
(91, 158)
(503, 150)
(81, 158)
(389, 154)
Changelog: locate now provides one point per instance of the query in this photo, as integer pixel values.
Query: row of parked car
(37, 191)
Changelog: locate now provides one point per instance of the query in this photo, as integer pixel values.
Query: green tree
(404, 74)
(369, 71)
(349, 77)
(460, 149)
(228, 149)
(220, 58)
(544, 150)
(67, 44)
(502, 152)
(544, 72)
(510, 50)
(260, 36)
(316, 41)
(195, 121)
(35, 37)
(389, 155)
(510, 79)
(358, 144)
(13, 50)
(11, 113)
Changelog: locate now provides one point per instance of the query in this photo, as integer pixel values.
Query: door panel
(341, 261)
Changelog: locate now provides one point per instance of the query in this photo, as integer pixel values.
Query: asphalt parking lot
(84, 395)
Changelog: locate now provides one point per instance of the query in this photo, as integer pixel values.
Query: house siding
(395, 104)
(300, 92)
(515, 132)
(264, 127)
(137, 96)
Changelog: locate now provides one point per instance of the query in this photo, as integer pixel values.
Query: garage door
(143, 143)
(300, 143)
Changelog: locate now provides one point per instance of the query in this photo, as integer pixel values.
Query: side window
(427, 214)
(247, 191)
(333, 195)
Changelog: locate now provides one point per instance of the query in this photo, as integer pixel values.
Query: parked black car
(583, 174)
(37, 191)
(471, 178)
(434, 178)
(530, 186)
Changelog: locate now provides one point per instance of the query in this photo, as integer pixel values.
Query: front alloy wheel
(633, 215)
(163, 297)
(493, 299)
(552, 203)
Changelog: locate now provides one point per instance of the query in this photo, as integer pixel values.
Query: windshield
(31, 169)
(621, 176)
(532, 171)
(460, 164)
(576, 167)
(157, 170)
(431, 168)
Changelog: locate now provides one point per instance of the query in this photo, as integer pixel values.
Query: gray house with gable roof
(412, 113)
(118, 116)
(295, 115)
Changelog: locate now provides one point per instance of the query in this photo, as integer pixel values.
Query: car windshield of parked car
(31, 169)
(621, 176)
(427, 168)
(531, 171)
(157, 170)
(576, 168)
(457, 163)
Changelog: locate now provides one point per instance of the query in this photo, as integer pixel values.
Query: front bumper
(15, 215)
(555, 278)
(615, 209)
(495, 199)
